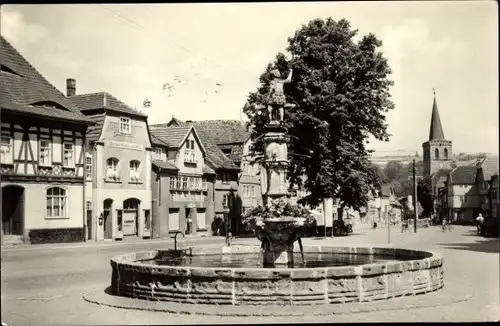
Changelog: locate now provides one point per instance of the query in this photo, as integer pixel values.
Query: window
(436, 153)
(179, 182)
(45, 153)
(125, 125)
(68, 156)
(465, 199)
(252, 191)
(245, 191)
(191, 183)
(147, 219)
(57, 202)
(89, 205)
(204, 184)
(134, 170)
(173, 182)
(158, 153)
(112, 169)
(184, 183)
(446, 153)
(6, 154)
(88, 172)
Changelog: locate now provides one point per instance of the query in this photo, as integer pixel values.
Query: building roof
(157, 141)
(94, 132)
(463, 175)
(489, 166)
(223, 131)
(103, 100)
(207, 170)
(165, 165)
(215, 156)
(436, 130)
(439, 177)
(23, 90)
(172, 136)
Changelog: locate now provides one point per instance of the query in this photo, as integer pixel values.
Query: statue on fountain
(276, 101)
(277, 223)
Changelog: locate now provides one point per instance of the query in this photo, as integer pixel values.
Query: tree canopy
(340, 86)
(425, 196)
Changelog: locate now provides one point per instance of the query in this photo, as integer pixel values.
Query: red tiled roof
(23, 90)
(102, 100)
(463, 175)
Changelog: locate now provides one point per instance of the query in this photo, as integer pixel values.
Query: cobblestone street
(44, 285)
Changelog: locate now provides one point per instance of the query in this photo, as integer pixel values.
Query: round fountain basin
(216, 276)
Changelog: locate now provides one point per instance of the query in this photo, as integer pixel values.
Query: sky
(213, 55)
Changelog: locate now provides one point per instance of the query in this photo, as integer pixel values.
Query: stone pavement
(45, 287)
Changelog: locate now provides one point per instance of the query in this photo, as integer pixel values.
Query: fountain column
(278, 246)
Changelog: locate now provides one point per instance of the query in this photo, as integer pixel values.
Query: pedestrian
(480, 221)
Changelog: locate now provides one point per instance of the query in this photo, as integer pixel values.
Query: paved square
(44, 285)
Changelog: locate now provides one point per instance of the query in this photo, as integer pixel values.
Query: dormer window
(135, 171)
(125, 125)
(158, 152)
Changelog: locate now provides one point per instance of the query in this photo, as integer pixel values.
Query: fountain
(229, 275)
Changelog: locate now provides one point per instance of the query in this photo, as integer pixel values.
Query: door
(129, 222)
(201, 219)
(89, 224)
(13, 210)
(173, 220)
(108, 218)
(130, 216)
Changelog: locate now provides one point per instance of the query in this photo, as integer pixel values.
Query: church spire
(436, 132)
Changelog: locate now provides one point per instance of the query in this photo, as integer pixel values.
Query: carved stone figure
(276, 98)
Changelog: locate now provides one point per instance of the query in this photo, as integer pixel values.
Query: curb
(52, 246)
(439, 298)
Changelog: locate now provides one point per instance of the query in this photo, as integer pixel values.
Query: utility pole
(415, 196)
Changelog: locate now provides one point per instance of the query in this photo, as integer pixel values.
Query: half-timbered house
(118, 201)
(42, 155)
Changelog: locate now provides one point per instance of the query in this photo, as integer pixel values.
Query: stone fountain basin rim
(423, 260)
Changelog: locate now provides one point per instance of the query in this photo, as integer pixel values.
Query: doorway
(13, 210)
(108, 218)
(89, 220)
(131, 216)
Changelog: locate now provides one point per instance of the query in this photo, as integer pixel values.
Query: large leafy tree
(425, 196)
(393, 170)
(340, 87)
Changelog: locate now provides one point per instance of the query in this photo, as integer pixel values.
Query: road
(44, 285)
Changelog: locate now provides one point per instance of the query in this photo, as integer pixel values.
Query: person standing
(480, 221)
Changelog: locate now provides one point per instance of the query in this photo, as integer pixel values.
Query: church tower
(437, 150)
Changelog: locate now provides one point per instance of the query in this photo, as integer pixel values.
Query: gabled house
(462, 198)
(494, 197)
(487, 167)
(42, 156)
(227, 189)
(118, 158)
(182, 182)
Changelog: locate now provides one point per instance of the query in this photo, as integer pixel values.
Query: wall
(125, 148)
(35, 206)
(164, 201)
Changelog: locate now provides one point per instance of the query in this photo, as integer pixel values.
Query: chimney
(70, 87)
(189, 122)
